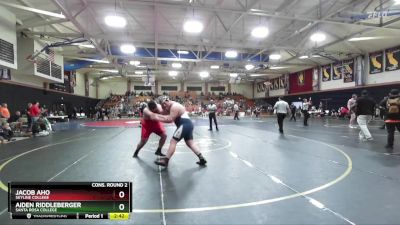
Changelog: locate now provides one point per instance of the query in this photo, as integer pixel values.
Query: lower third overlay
(70, 200)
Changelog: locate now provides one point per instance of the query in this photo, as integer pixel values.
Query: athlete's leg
(142, 142)
(161, 142)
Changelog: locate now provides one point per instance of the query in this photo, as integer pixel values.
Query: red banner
(301, 81)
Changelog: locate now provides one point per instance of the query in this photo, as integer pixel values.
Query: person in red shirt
(34, 112)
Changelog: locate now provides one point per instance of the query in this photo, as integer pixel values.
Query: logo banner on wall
(376, 62)
(282, 82)
(271, 87)
(326, 73)
(260, 87)
(337, 71)
(348, 70)
(315, 76)
(392, 59)
(301, 78)
(276, 83)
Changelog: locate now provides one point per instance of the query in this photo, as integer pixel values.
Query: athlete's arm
(158, 117)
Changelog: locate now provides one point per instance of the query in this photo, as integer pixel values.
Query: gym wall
(17, 97)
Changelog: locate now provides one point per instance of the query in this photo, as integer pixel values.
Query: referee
(212, 108)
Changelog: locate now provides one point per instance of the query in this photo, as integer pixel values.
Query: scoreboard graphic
(70, 200)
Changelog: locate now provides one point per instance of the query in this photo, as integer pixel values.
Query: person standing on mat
(364, 111)
(350, 106)
(392, 117)
(175, 112)
(383, 111)
(212, 108)
(236, 110)
(304, 108)
(293, 112)
(150, 126)
(282, 109)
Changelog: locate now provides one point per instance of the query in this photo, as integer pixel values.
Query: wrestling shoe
(158, 152)
(162, 162)
(202, 162)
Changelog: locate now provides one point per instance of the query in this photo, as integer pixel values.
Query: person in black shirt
(365, 108)
(15, 122)
(212, 108)
(382, 111)
(293, 111)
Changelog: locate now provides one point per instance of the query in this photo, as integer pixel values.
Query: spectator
(350, 105)
(364, 111)
(5, 132)
(15, 121)
(236, 110)
(4, 112)
(282, 109)
(305, 107)
(392, 117)
(34, 112)
(293, 111)
(28, 115)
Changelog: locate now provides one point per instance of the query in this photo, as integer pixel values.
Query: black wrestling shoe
(162, 162)
(389, 148)
(159, 153)
(135, 155)
(202, 162)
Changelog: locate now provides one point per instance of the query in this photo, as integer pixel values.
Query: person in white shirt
(282, 109)
(350, 105)
(236, 110)
(212, 109)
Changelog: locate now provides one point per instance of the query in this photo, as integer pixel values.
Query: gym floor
(321, 174)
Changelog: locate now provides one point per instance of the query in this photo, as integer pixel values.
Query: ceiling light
(90, 60)
(397, 2)
(139, 72)
(177, 65)
(183, 52)
(110, 71)
(172, 73)
(128, 49)
(364, 38)
(233, 75)
(317, 37)
(231, 54)
(277, 67)
(303, 57)
(249, 67)
(260, 32)
(134, 63)
(83, 45)
(131, 75)
(214, 67)
(257, 75)
(204, 74)
(115, 21)
(275, 56)
(193, 26)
